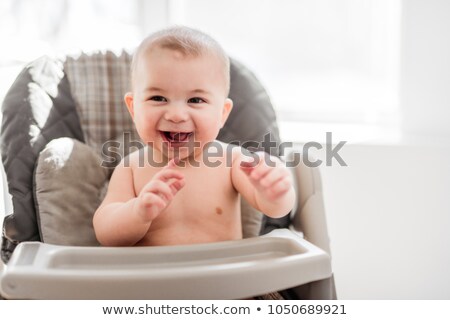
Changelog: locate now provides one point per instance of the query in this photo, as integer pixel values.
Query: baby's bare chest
(206, 209)
(207, 191)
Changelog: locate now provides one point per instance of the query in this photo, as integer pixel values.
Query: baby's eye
(196, 100)
(158, 99)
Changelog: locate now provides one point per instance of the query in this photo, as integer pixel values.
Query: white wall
(425, 67)
(389, 222)
(388, 211)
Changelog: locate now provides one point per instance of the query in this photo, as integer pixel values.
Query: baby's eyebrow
(200, 91)
(156, 89)
(153, 89)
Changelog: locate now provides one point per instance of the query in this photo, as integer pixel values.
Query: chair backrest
(82, 98)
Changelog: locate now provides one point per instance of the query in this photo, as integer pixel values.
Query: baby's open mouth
(175, 137)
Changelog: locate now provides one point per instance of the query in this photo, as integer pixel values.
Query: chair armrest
(309, 214)
(224, 270)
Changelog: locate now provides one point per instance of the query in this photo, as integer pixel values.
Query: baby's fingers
(166, 174)
(248, 164)
(260, 171)
(173, 163)
(272, 176)
(176, 185)
(153, 200)
(160, 188)
(280, 188)
(151, 205)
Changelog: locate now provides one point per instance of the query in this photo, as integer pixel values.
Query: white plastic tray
(224, 270)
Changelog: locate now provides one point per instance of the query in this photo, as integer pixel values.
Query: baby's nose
(176, 113)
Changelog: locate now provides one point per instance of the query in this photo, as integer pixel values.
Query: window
(36, 27)
(321, 61)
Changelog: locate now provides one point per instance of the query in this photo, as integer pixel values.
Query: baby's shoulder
(135, 159)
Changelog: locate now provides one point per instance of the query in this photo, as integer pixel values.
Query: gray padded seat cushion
(252, 116)
(69, 185)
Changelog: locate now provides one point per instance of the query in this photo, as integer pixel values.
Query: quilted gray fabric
(37, 108)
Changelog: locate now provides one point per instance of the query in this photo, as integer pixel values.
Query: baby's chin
(172, 152)
(181, 155)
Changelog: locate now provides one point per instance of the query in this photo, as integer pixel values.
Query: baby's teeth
(183, 136)
(178, 136)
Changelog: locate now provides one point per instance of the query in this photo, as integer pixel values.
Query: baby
(180, 84)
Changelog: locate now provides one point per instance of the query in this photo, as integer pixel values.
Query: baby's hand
(268, 175)
(156, 195)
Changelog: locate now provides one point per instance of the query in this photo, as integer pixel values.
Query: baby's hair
(189, 42)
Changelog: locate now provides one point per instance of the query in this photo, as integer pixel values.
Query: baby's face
(179, 102)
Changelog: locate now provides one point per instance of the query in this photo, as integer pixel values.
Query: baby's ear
(228, 105)
(130, 103)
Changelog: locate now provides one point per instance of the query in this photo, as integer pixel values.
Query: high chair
(62, 118)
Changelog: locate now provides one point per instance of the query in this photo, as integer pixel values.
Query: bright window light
(321, 61)
(32, 28)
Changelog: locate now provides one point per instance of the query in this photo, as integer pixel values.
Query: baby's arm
(124, 218)
(265, 183)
